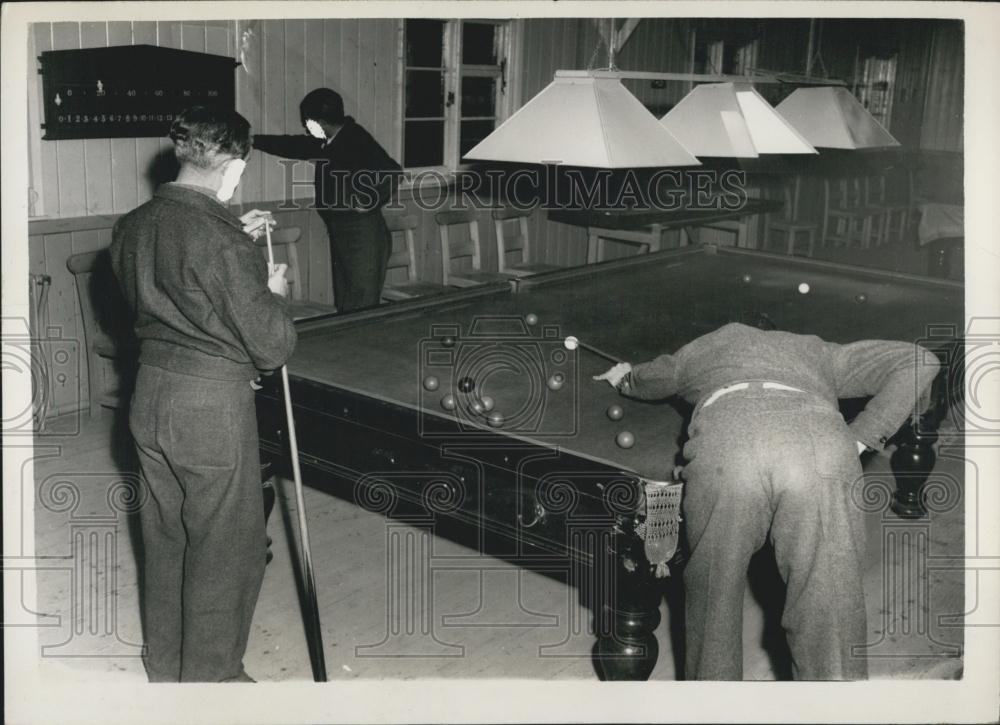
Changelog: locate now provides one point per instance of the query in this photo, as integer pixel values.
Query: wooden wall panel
(248, 49)
(294, 91)
(942, 127)
(97, 151)
(124, 178)
(384, 124)
(146, 149)
(273, 102)
(70, 158)
(657, 44)
(368, 37)
(47, 187)
(314, 57)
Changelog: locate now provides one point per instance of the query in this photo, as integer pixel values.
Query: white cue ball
(804, 288)
(571, 343)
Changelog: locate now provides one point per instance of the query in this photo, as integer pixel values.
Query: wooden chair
(519, 242)
(406, 258)
(284, 241)
(897, 204)
(788, 223)
(471, 247)
(846, 216)
(647, 239)
(874, 199)
(108, 337)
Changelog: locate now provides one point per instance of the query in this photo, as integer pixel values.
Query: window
(454, 87)
(724, 48)
(875, 87)
(726, 57)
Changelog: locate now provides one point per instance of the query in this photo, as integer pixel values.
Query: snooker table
(550, 481)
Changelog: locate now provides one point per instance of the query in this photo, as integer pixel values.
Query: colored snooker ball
(615, 412)
(487, 402)
(431, 383)
(531, 318)
(448, 341)
(466, 384)
(625, 439)
(861, 298)
(555, 382)
(495, 419)
(448, 402)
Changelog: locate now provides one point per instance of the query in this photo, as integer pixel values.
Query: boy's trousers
(780, 463)
(202, 522)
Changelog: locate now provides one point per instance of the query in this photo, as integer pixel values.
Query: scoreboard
(129, 90)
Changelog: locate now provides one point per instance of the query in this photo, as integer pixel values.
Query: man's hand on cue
(254, 220)
(615, 374)
(276, 281)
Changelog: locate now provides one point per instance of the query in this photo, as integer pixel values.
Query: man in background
(355, 178)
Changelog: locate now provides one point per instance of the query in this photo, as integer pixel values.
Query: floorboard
(499, 622)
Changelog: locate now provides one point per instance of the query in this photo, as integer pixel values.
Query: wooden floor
(482, 618)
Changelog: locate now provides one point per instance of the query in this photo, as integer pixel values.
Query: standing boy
(208, 317)
(355, 178)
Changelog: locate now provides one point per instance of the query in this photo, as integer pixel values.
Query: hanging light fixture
(583, 119)
(732, 120)
(831, 117)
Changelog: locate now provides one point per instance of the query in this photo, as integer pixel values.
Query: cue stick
(319, 674)
(571, 343)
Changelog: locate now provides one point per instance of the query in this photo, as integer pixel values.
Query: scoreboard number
(130, 90)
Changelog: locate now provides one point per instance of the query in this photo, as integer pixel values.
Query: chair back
(452, 249)
(899, 186)
(519, 241)
(107, 320)
(108, 334)
(405, 256)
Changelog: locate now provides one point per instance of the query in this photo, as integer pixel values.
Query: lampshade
(730, 119)
(582, 120)
(831, 117)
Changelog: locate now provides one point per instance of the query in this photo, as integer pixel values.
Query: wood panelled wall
(80, 187)
(942, 117)
(280, 61)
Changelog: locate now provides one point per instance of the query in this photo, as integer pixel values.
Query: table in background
(550, 484)
(646, 227)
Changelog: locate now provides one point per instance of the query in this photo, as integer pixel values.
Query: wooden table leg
(911, 463)
(914, 458)
(627, 648)
(593, 242)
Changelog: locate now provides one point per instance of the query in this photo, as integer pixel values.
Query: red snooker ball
(625, 439)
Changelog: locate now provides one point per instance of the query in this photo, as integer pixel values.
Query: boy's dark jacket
(197, 286)
(354, 174)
